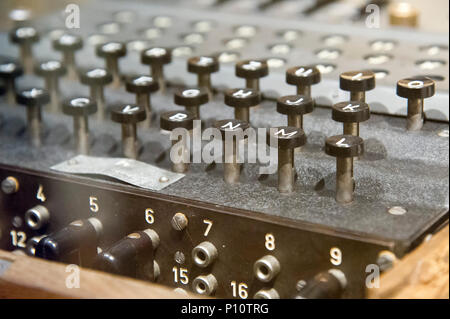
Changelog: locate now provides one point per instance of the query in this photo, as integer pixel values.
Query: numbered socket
(303, 77)
(415, 90)
(271, 293)
(37, 217)
(205, 285)
(266, 268)
(204, 254)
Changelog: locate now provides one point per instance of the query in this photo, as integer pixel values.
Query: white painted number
(93, 205)
(209, 224)
(149, 216)
(40, 194)
(180, 275)
(18, 238)
(270, 242)
(336, 256)
(239, 290)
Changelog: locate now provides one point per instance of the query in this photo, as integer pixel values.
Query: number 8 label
(270, 242)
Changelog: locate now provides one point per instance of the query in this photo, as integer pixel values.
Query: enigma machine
(232, 149)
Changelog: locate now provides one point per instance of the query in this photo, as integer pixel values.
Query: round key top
(295, 104)
(10, 70)
(287, 137)
(156, 55)
(242, 98)
(176, 119)
(203, 65)
(80, 106)
(358, 81)
(232, 134)
(24, 35)
(96, 76)
(230, 126)
(191, 97)
(68, 42)
(303, 77)
(111, 50)
(33, 97)
(50, 68)
(344, 146)
(252, 69)
(141, 84)
(416, 88)
(128, 114)
(350, 112)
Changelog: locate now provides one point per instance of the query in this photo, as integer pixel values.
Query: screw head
(179, 221)
(397, 210)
